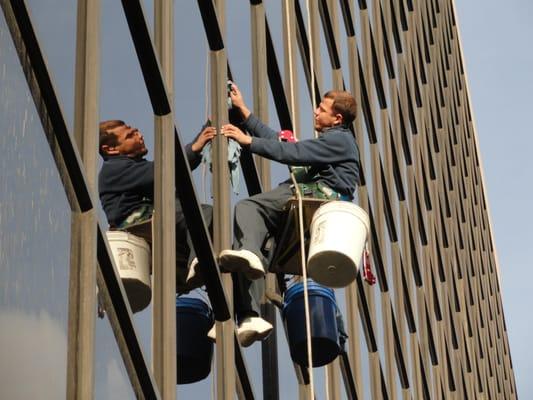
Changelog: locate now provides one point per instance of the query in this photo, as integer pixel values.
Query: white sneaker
(242, 261)
(194, 278)
(252, 329)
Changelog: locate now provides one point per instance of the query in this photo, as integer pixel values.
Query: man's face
(130, 142)
(325, 117)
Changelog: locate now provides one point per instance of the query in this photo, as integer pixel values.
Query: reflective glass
(34, 245)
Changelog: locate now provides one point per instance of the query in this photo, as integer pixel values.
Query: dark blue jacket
(125, 184)
(333, 156)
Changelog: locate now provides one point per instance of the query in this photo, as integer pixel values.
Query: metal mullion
(164, 222)
(378, 42)
(452, 12)
(420, 295)
(480, 279)
(432, 220)
(82, 281)
(404, 207)
(438, 188)
(351, 293)
(328, 16)
(225, 331)
(393, 95)
(305, 56)
(290, 65)
(396, 252)
(478, 346)
(260, 103)
(367, 72)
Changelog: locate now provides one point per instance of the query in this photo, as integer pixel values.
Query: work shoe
(242, 261)
(194, 278)
(251, 329)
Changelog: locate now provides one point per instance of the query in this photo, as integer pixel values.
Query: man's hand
(238, 101)
(231, 131)
(204, 138)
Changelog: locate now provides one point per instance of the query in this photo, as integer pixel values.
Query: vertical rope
(306, 296)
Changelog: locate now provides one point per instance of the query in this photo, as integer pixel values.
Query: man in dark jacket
(333, 169)
(126, 185)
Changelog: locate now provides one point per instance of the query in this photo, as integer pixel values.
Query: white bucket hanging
(339, 231)
(133, 258)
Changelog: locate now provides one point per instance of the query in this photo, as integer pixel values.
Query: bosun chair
(286, 254)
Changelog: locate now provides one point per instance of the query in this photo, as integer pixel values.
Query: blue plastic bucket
(324, 331)
(194, 318)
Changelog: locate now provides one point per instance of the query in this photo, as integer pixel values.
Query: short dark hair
(108, 138)
(344, 104)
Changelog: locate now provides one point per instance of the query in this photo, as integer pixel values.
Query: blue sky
(496, 43)
(498, 60)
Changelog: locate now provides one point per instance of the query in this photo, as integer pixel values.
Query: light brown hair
(344, 104)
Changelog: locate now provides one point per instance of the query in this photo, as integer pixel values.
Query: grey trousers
(256, 218)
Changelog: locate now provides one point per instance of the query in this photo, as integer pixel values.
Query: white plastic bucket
(339, 231)
(133, 258)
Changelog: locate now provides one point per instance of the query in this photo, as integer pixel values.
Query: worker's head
(337, 108)
(117, 138)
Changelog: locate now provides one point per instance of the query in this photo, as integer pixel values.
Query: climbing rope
(300, 219)
(299, 194)
(304, 276)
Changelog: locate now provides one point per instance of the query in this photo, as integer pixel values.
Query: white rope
(300, 205)
(306, 295)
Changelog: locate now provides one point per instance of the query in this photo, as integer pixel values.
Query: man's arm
(327, 149)
(251, 123)
(194, 149)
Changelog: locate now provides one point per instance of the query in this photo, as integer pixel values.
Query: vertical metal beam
(291, 67)
(82, 285)
(259, 77)
(164, 224)
(332, 372)
(222, 233)
(351, 294)
(269, 350)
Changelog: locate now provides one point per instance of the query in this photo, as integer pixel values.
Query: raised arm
(194, 149)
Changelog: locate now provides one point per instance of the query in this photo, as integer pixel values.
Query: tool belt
(142, 214)
(319, 190)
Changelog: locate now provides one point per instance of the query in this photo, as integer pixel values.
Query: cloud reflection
(33, 356)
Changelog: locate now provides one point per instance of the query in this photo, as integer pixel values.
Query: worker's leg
(257, 216)
(185, 280)
(247, 296)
